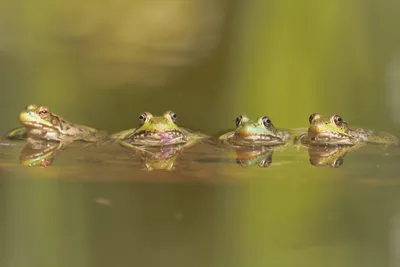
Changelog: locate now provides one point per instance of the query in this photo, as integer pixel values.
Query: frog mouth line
(256, 140)
(333, 139)
(158, 138)
(255, 137)
(39, 154)
(39, 126)
(333, 135)
(158, 135)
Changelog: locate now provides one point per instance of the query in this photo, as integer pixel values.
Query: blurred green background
(102, 64)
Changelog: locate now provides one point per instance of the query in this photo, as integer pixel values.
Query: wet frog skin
(157, 131)
(255, 133)
(39, 122)
(334, 130)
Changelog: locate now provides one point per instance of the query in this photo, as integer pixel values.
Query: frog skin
(255, 133)
(39, 122)
(157, 131)
(334, 130)
(261, 157)
(330, 156)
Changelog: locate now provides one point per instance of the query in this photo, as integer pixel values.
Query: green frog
(154, 131)
(40, 123)
(334, 130)
(255, 133)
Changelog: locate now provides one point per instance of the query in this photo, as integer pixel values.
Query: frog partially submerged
(255, 133)
(334, 130)
(157, 131)
(40, 123)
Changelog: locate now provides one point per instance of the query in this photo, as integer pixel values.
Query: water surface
(98, 206)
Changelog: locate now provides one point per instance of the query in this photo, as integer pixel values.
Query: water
(100, 206)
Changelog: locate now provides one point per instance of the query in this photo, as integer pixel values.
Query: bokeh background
(102, 63)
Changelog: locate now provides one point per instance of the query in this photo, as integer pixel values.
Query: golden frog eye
(144, 117)
(266, 121)
(338, 120)
(238, 120)
(313, 117)
(44, 112)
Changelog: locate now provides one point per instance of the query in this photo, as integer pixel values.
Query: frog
(333, 130)
(249, 133)
(156, 131)
(40, 123)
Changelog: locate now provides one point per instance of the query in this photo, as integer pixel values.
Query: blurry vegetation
(104, 63)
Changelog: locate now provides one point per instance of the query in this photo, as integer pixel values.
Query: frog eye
(144, 117)
(338, 163)
(171, 115)
(241, 162)
(313, 117)
(265, 163)
(338, 120)
(43, 112)
(238, 120)
(266, 121)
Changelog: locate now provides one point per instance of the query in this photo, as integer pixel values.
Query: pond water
(101, 206)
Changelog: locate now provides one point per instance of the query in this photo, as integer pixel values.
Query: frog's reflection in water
(250, 156)
(40, 152)
(159, 158)
(329, 156)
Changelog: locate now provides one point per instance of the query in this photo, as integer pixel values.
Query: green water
(99, 206)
